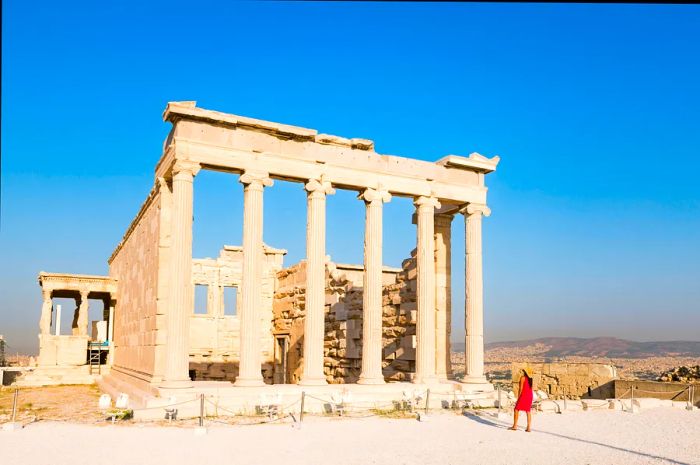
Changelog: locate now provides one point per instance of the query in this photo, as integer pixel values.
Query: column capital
(84, 294)
(46, 294)
(475, 208)
(319, 187)
(425, 201)
(371, 195)
(443, 219)
(255, 180)
(185, 168)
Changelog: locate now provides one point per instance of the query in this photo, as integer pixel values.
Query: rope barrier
(170, 405)
(661, 392)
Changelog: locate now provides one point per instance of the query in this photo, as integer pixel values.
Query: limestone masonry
(308, 326)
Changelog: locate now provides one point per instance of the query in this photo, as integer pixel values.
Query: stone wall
(565, 379)
(215, 336)
(620, 388)
(135, 265)
(343, 321)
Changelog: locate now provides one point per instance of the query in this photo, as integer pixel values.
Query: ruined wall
(565, 379)
(343, 321)
(134, 265)
(215, 336)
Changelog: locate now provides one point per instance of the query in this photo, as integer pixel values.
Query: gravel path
(655, 436)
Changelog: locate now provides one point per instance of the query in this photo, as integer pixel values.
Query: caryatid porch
(70, 349)
(261, 151)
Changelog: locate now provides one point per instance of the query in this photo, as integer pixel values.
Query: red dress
(524, 402)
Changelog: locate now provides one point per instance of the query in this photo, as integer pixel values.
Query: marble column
(314, 321)
(372, 288)
(46, 310)
(425, 263)
(474, 299)
(443, 294)
(181, 290)
(110, 320)
(250, 365)
(57, 331)
(110, 331)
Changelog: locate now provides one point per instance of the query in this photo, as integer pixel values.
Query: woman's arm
(521, 385)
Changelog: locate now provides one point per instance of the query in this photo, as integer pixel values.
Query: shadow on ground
(491, 423)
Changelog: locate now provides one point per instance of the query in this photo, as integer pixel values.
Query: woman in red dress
(524, 402)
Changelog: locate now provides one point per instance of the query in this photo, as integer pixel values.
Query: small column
(474, 299)
(425, 264)
(443, 295)
(249, 372)
(314, 321)
(46, 310)
(372, 288)
(58, 321)
(110, 322)
(110, 332)
(181, 291)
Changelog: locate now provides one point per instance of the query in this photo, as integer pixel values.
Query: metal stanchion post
(691, 393)
(14, 405)
(201, 430)
(301, 412)
(201, 410)
(427, 400)
(499, 401)
(13, 425)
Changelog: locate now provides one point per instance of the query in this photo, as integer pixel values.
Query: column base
(249, 382)
(476, 384)
(176, 384)
(313, 382)
(374, 380)
(426, 380)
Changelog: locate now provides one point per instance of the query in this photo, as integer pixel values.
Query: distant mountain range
(601, 347)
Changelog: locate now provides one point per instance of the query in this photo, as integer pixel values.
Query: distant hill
(602, 347)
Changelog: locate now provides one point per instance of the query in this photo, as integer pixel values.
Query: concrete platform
(223, 398)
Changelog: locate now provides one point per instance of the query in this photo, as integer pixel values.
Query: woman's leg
(515, 420)
(529, 420)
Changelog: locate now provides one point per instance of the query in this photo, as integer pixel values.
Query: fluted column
(314, 321)
(46, 310)
(443, 290)
(181, 297)
(474, 299)
(249, 371)
(425, 263)
(372, 288)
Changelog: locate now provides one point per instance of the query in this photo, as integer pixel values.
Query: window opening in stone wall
(230, 300)
(200, 299)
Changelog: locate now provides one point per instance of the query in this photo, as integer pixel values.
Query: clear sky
(594, 110)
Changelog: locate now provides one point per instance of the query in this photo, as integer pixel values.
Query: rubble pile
(683, 374)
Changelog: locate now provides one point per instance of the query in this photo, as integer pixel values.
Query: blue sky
(594, 110)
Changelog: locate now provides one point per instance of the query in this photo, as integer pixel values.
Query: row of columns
(79, 325)
(430, 363)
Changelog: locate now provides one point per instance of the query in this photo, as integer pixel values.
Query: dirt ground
(78, 404)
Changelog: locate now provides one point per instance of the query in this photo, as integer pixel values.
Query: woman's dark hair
(529, 380)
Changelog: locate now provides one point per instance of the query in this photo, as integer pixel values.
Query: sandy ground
(655, 436)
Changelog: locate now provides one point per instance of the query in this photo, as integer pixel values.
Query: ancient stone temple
(312, 325)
